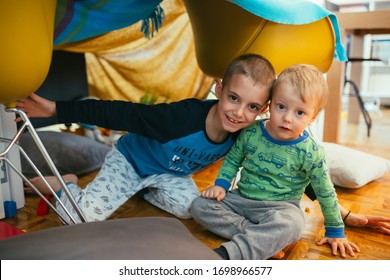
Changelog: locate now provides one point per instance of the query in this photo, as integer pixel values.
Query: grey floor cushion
(70, 153)
(131, 238)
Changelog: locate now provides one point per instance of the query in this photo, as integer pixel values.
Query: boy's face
(289, 114)
(240, 102)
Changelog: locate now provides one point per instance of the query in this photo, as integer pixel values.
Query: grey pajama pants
(117, 181)
(256, 229)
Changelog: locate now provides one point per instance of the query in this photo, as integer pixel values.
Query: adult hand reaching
(381, 224)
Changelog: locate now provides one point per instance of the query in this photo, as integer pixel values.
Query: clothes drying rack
(11, 143)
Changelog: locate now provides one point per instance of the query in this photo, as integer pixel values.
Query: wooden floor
(373, 198)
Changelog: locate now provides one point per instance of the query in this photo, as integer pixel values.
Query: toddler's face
(289, 114)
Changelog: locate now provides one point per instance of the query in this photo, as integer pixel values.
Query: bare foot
(39, 183)
(279, 255)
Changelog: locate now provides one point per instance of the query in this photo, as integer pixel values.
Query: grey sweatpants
(256, 229)
(117, 181)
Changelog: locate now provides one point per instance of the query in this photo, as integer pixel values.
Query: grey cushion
(133, 238)
(70, 153)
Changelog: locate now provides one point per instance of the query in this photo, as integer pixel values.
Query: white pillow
(351, 168)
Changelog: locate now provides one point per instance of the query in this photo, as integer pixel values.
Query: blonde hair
(254, 66)
(308, 82)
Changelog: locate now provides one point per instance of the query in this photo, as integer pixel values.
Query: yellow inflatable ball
(26, 32)
(223, 31)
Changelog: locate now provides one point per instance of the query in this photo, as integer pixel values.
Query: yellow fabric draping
(124, 65)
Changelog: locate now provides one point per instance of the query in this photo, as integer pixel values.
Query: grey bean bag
(70, 153)
(133, 238)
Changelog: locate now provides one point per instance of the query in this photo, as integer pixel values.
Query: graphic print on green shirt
(280, 170)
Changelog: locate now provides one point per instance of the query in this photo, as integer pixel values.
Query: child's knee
(184, 215)
(198, 206)
(296, 228)
(182, 211)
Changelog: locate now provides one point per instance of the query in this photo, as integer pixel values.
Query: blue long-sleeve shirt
(163, 138)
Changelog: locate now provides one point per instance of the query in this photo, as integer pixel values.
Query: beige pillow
(351, 168)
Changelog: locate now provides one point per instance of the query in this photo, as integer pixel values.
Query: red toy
(43, 208)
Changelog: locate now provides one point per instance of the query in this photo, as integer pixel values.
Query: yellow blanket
(124, 65)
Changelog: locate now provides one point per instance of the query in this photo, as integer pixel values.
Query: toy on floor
(42, 208)
(7, 231)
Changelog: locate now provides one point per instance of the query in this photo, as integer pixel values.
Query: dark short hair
(254, 66)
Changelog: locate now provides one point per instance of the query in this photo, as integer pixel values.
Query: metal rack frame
(27, 126)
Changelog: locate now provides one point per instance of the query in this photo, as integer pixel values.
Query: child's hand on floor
(340, 244)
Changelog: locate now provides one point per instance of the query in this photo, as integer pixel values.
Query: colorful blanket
(81, 19)
(294, 12)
